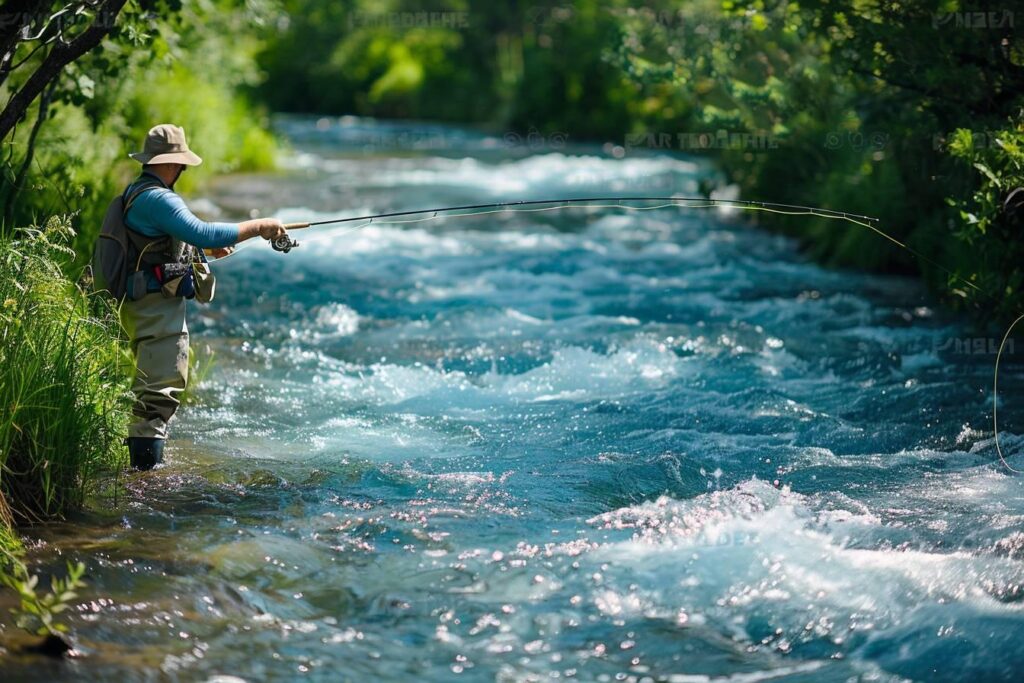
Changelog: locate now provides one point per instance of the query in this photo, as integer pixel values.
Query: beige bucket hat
(165, 144)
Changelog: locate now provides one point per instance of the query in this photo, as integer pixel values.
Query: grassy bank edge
(64, 383)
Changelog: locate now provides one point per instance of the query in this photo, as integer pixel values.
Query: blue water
(589, 444)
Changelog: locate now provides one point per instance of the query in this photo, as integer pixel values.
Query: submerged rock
(53, 645)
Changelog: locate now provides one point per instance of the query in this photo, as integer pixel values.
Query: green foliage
(63, 379)
(11, 549)
(1000, 164)
(367, 56)
(566, 83)
(221, 127)
(856, 97)
(992, 232)
(37, 613)
(64, 386)
(537, 65)
(187, 63)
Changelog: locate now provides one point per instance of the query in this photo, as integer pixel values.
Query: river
(585, 444)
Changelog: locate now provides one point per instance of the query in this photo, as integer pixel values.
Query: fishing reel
(284, 243)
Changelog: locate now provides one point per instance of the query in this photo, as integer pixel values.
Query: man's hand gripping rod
(285, 243)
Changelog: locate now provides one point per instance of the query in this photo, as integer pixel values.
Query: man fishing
(161, 264)
(166, 266)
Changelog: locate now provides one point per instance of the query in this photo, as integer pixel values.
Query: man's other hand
(219, 253)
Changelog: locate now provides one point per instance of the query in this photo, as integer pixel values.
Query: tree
(58, 35)
(38, 41)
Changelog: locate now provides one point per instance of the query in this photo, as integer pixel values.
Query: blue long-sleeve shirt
(161, 211)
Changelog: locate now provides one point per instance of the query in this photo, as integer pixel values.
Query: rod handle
(295, 226)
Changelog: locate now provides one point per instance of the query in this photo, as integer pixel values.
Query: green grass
(64, 388)
(64, 382)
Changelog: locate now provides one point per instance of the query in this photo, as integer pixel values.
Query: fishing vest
(128, 264)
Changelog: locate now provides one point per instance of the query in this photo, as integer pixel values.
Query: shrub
(991, 236)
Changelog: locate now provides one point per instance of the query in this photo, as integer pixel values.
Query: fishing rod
(286, 243)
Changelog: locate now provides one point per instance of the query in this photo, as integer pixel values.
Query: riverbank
(65, 370)
(64, 386)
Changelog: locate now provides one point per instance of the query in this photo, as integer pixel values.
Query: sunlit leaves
(37, 613)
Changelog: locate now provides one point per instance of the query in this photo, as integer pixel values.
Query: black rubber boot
(145, 453)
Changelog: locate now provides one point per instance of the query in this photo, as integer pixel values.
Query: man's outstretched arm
(166, 212)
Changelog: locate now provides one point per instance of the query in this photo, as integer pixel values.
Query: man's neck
(153, 174)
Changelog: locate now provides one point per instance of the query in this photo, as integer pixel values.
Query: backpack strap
(127, 199)
(141, 245)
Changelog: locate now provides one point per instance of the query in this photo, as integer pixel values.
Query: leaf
(86, 86)
(988, 173)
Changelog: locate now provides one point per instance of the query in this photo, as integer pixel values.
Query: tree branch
(15, 16)
(60, 56)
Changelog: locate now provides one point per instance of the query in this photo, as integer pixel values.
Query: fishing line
(473, 210)
(995, 397)
(583, 201)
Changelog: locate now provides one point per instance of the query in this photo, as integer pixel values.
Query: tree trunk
(30, 149)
